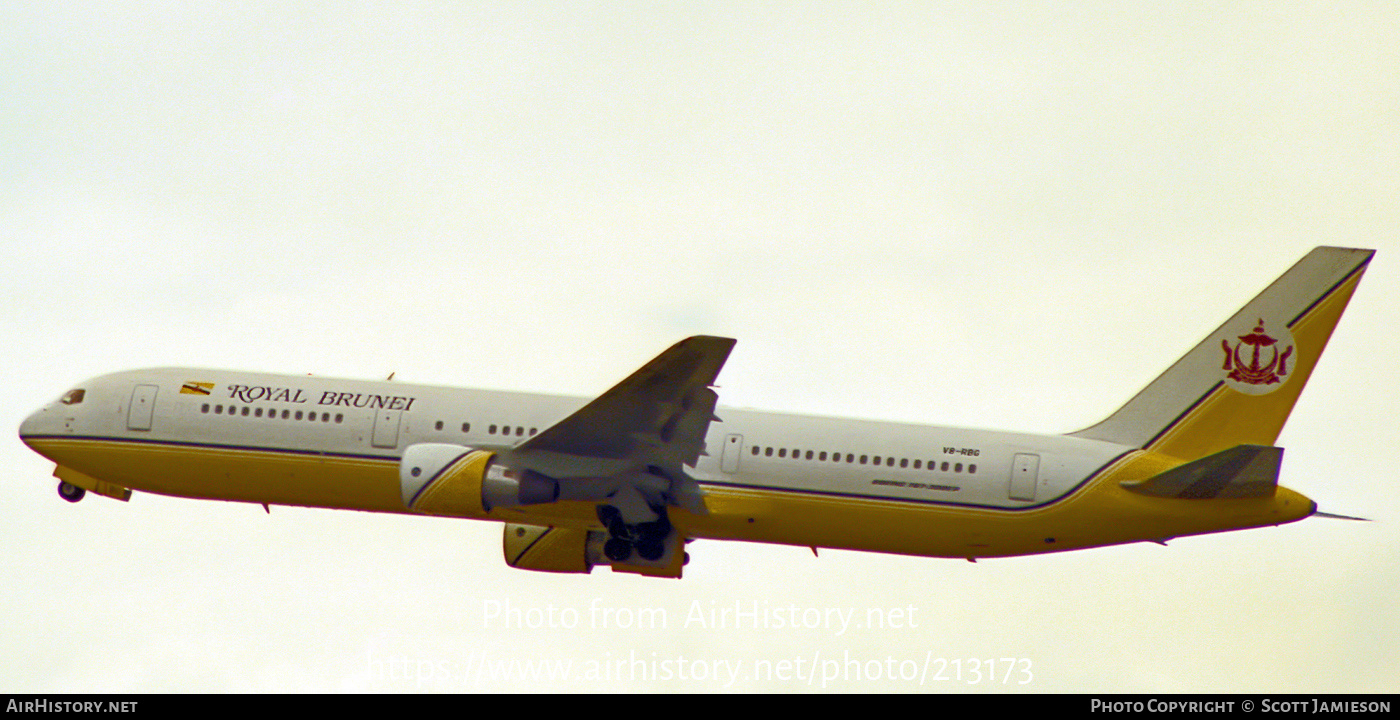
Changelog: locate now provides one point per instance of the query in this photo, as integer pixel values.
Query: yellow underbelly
(1098, 513)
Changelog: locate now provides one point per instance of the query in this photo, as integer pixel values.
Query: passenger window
(809, 454)
(863, 458)
(204, 408)
(957, 468)
(767, 452)
(945, 467)
(286, 414)
(850, 457)
(822, 456)
(917, 464)
(520, 431)
(972, 468)
(753, 449)
(218, 409)
(875, 460)
(339, 417)
(438, 426)
(491, 430)
(782, 452)
(904, 462)
(298, 414)
(257, 413)
(533, 431)
(466, 427)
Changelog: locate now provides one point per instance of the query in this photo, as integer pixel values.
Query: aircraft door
(733, 447)
(386, 429)
(1025, 472)
(142, 408)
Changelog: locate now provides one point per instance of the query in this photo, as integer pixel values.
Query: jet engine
(445, 479)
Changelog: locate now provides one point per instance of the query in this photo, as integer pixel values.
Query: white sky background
(1011, 216)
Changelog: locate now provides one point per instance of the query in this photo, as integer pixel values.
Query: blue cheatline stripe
(532, 544)
(783, 490)
(1219, 384)
(434, 478)
(1331, 290)
(215, 446)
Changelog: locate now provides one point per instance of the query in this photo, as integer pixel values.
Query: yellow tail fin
(1238, 385)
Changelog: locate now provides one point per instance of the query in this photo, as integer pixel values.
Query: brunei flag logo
(196, 388)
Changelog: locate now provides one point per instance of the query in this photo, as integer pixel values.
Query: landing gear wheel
(611, 519)
(657, 529)
(70, 492)
(617, 549)
(651, 549)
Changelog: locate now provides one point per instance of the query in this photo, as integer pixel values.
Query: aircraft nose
(33, 425)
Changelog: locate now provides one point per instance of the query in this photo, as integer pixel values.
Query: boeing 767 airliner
(627, 478)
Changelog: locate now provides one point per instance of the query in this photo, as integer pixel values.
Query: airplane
(628, 478)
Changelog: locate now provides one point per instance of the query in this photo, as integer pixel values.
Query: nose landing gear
(70, 492)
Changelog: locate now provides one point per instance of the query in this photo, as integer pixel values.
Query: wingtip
(710, 339)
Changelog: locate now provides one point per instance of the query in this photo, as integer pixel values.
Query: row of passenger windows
(519, 431)
(271, 413)
(823, 456)
(516, 430)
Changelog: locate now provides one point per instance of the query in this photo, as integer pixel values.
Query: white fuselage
(745, 448)
(765, 477)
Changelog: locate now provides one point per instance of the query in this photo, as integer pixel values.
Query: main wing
(626, 452)
(657, 416)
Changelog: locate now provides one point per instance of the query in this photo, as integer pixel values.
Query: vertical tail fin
(1239, 384)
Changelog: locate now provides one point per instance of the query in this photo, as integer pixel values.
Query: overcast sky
(1010, 216)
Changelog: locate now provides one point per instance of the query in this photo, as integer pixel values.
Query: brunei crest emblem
(1258, 361)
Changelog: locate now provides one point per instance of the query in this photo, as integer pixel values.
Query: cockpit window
(73, 397)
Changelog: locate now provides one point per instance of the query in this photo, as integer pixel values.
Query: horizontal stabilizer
(1243, 471)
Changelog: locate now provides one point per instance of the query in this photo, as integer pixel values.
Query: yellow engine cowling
(455, 480)
(566, 550)
(547, 549)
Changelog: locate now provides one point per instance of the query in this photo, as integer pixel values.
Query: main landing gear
(70, 492)
(647, 538)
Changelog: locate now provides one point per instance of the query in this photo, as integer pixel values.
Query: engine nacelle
(550, 549)
(566, 550)
(445, 479)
